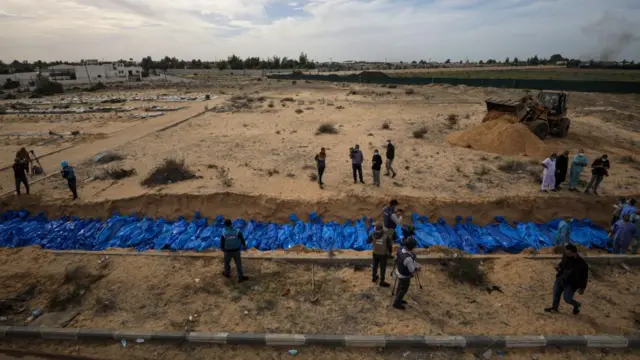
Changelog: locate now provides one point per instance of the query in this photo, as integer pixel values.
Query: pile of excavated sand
(496, 115)
(500, 136)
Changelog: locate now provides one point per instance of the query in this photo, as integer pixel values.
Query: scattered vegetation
(465, 270)
(76, 282)
(452, 121)
(482, 171)
(272, 172)
(339, 107)
(386, 125)
(299, 111)
(513, 166)
(270, 104)
(289, 99)
(10, 84)
(104, 305)
(392, 86)
(115, 173)
(47, 87)
(326, 128)
(169, 171)
(224, 176)
(108, 157)
(313, 176)
(420, 132)
(97, 86)
(409, 91)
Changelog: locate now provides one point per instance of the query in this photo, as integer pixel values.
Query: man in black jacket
(376, 165)
(572, 277)
(391, 154)
(562, 165)
(599, 169)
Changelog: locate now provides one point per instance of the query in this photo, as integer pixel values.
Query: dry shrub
(465, 270)
(272, 172)
(271, 104)
(339, 107)
(420, 132)
(104, 305)
(115, 173)
(222, 173)
(300, 102)
(290, 99)
(513, 166)
(392, 86)
(299, 111)
(169, 171)
(326, 128)
(294, 82)
(313, 176)
(409, 91)
(452, 120)
(482, 171)
(261, 99)
(108, 157)
(386, 125)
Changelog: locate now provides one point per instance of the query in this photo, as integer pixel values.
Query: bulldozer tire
(540, 128)
(564, 127)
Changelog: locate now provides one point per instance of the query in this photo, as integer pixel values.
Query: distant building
(92, 71)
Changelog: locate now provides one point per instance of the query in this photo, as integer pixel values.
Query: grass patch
(326, 128)
(466, 271)
(420, 132)
(169, 171)
(115, 173)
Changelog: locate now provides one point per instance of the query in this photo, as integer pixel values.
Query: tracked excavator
(544, 114)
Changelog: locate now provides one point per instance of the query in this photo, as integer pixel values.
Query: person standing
(23, 155)
(617, 210)
(563, 236)
(20, 174)
(390, 155)
(357, 158)
(562, 164)
(381, 251)
(406, 266)
(376, 166)
(599, 169)
(629, 208)
(549, 174)
(577, 166)
(571, 277)
(623, 232)
(68, 173)
(391, 218)
(231, 244)
(321, 158)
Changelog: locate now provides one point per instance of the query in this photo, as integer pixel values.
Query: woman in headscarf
(577, 166)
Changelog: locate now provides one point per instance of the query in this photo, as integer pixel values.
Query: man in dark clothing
(68, 173)
(320, 162)
(376, 165)
(391, 218)
(231, 242)
(406, 266)
(381, 251)
(20, 174)
(391, 154)
(562, 166)
(357, 158)
(23, 155)
(572, 277)
(599, 169)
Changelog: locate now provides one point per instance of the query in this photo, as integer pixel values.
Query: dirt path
(80, 153)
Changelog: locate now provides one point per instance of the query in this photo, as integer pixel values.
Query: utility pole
(87, 70)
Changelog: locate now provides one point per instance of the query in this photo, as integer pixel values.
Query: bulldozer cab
(556, 102)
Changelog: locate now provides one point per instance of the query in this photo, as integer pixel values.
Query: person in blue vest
(68, 173)
(406, 266)
(231, 243)
(391, 218)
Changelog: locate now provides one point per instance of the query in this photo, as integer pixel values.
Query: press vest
(401, 257)
(231, 240)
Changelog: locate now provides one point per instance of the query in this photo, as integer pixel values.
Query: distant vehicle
(545, 115)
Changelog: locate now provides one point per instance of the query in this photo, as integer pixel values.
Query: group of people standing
(625, 227)
(357, 159)
(557, 167)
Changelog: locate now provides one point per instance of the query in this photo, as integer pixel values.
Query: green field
(544, 74)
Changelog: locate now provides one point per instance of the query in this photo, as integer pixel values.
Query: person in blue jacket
(577, 166)
(68, 173)
(629, 208)
(231, 243)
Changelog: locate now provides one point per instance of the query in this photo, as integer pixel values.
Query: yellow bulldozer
(544, 114)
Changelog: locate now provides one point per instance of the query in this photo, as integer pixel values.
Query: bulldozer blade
(514, 107)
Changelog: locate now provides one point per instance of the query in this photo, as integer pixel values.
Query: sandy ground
(162, 293)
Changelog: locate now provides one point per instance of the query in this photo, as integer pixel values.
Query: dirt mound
(500, 136)
(496, 115)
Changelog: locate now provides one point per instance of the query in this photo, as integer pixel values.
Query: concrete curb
(298, 340)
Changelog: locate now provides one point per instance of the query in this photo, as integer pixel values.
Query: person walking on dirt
(599, 169)
(549, 174)
(571, 277)
(231, 242)
(20, 174)
(321, 159)
(624, 232)
(68, 173)
(23, 155)
(577, 166)
(357, 158)
(406, 266)
(390, 155)
(376, 166)
(563, 236)
(562, 164)
(381, 251)
(391, 218)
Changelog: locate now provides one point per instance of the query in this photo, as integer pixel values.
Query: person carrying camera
(357, 158)
(406, 266)
(391, 218)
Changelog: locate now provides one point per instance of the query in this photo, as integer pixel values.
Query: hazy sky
(339, 29)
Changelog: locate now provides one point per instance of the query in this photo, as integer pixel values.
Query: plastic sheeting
(19, 228)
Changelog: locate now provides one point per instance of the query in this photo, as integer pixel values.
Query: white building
(92, 71)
